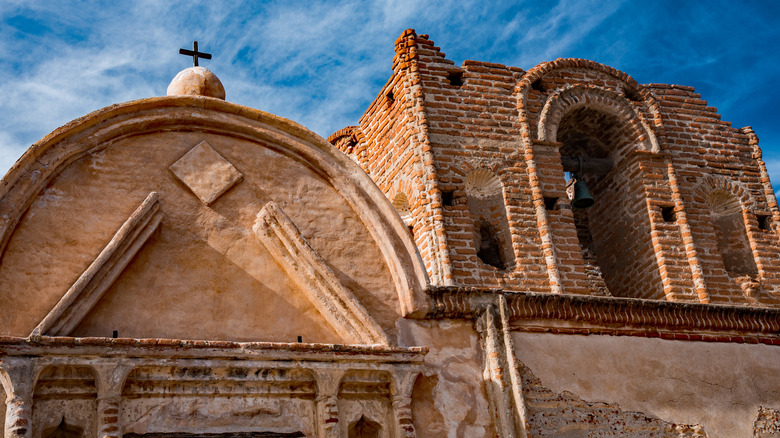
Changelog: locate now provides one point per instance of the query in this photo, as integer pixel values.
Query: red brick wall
(651, 225)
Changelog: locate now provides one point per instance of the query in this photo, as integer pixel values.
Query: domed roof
(196, 81)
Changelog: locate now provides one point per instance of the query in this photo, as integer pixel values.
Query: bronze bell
(582, 196)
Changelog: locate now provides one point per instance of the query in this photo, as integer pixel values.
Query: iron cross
(194, 53)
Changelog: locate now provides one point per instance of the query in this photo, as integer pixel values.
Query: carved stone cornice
(627, 314)
(154, 348)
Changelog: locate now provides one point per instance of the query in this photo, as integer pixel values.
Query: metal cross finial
(194, 53)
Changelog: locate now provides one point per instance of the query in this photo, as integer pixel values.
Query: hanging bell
(582, 196)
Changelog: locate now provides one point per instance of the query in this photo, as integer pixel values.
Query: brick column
(18, 416)
(108, 425)
(19, 378)
(403, 383)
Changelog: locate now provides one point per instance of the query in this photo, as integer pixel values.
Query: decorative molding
(579, 95)
(611, 313)
(302, 263)
(205, 172)
(59, 350)
(102, 273)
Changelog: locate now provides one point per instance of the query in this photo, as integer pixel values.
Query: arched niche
(69, 194)
(364, 428)
(732, 239)
(65, 402)
(728, 254)
(365, 403)
(598, 130)
(485, 197)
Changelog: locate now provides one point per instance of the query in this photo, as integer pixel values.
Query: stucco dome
(196, 81)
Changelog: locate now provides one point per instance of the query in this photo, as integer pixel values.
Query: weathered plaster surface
(767, 424)
(449, 398)
(79, 413)
(204, 263)
(717, 385)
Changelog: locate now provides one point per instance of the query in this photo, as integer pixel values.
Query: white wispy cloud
(321, 62)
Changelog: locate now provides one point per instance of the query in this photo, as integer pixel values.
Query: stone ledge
(10, 345)
(591, 312)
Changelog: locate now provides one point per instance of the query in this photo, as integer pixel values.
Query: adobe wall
(720, 386)
(80, 226)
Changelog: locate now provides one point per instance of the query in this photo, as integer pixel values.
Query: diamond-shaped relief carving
(204, 171)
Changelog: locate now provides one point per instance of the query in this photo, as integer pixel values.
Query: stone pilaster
(327, 402)
(403, 383)
(110, 378)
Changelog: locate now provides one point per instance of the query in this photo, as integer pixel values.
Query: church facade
(490, 252)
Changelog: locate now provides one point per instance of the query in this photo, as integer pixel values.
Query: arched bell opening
(607, 200)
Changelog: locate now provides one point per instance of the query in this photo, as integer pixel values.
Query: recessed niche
(550, 203)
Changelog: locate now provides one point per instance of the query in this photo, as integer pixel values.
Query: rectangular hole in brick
(448, 197)
(550, 203)
(668, 214)
(455, 78)
(764, 221)
(390, 97)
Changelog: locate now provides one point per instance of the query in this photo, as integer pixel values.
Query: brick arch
(347, 139)
(629, 83)
(562, 101)
(713, 183)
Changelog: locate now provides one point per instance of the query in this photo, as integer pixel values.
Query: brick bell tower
(481, 161)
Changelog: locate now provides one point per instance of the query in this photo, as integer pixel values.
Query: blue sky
(321, 62)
